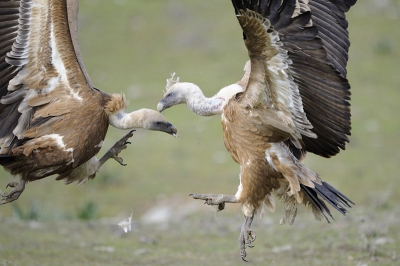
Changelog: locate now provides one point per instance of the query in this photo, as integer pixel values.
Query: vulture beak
(160, 106)
(171, 129)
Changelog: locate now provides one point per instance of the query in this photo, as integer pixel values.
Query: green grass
(204, 240)
(133, 46)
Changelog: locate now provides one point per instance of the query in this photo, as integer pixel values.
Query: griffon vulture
(293, 98)
(52, 119)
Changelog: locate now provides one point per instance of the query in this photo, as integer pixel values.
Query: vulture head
(176, 94)
(153, 120)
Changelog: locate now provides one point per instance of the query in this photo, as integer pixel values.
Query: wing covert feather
(73, 7)
(314, 34)
(270, 84)
(41, 70)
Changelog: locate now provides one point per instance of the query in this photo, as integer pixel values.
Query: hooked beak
(172, 130)
(160, 106)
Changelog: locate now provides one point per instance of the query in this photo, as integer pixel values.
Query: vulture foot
(14, 194)
(116, 149)
(247, 236)
(216, 199)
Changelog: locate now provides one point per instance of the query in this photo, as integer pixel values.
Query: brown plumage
(52, 119)
(293, 98)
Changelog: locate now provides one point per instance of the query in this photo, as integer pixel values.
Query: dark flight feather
(319, 57)
(331, 195)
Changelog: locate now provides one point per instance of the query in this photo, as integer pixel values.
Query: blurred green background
(133, 47)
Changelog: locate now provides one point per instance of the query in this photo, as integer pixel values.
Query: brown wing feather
(258, 42)
(314, 33)
(72, 8)
(43, 90)
(8, 33)
(270, 84)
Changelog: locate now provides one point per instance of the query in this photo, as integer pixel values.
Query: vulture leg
(216, 199)
(247, 236)
(14, 194)
(116, 149)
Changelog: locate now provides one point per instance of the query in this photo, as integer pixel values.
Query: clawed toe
(119, 160)
(116, 149)
(121, 145)
(251, 237)
(14, 194)
(12, 184)
(247, 236)
(215, 199)
(210, 201)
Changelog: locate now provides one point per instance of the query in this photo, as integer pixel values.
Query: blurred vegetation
(31, 212)
(87, 211)
(133, 47)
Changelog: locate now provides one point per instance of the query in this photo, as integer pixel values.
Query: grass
(360, 239)
(133, 46)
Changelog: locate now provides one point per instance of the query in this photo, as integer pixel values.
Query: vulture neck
(201, 105)
(135, 119)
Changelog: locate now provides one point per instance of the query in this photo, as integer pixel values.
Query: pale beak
(160, 106)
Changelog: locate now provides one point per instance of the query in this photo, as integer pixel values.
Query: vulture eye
(170, 94)
(159, 123)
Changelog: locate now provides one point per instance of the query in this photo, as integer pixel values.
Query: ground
(362, 238)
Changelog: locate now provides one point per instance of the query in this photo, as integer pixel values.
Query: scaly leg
(216, 199)
(116, 149)
(14, 193)
(247, 236)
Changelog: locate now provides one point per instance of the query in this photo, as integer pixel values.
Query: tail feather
(338, 194)
(317, 202)
(331, 195)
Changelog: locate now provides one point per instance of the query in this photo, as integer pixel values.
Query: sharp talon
(14, 194)
(12, 184)
(119, 160)
(253, 236)
(128, 142)
(247, 237)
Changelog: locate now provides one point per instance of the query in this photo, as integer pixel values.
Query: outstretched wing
(41, 72)
(307, 46)
(330, 20)
(270, 84)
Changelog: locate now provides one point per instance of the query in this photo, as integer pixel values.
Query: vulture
(52, 119)
(293, 99)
